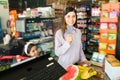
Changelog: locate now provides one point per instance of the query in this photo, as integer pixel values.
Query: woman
(68, 46)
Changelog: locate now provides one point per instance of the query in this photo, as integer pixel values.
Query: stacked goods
(112, 67)
(112, 60)
(73, 73)
(87, 72)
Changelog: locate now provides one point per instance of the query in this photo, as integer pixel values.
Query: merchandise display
(108, 28)
(93, 36)
(39, 31)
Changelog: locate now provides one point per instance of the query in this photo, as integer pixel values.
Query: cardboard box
(112, 71)
(98, 59)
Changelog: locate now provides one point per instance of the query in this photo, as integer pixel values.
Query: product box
(112, 71)
(98, 59)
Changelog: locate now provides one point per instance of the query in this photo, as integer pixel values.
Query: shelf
(38, 19)
(86, 2)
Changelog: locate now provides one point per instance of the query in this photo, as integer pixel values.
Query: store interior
(36, 21)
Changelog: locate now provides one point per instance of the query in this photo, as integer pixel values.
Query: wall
(4, 13)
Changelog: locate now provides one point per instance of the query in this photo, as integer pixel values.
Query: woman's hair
(27, 48)
(66, 11)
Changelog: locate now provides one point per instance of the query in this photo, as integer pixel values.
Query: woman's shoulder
(77, 30)
(59, 31)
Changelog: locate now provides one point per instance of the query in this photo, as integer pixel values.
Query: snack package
(112, 36)
(103, 36)
(113, 14)
(103, 26)
(102, 46)
(104, 14)
(112, 26)
(111, 46)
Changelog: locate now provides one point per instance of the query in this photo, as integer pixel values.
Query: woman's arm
(61, 46)
(82, 55)
(83, 59)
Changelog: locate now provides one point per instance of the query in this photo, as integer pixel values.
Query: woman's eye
(68, 16)
(74, 16)
(71, 16)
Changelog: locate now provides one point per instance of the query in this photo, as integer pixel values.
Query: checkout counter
(8, 50)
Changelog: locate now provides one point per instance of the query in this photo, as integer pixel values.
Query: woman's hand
(69, 38)
(85, 63)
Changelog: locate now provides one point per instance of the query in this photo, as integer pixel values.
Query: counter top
(99, 69)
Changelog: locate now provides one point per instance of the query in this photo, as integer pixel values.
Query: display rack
(93, 29)
(108, 28)
(37, 30)
(83, 9)
(34, 27)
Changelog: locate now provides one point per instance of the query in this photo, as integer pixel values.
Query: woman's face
(34, 52)
(70, 18)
